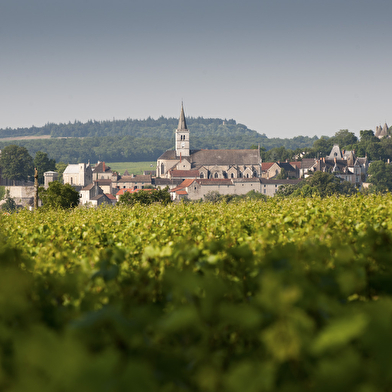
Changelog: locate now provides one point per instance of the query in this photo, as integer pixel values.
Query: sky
(281, 67)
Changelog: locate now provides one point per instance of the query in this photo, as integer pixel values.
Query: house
(345, 165)
(102, 172)
(217, 164)
(100, 199)
(277, 167)
(89, 192)
(132, 181)
(194, 189)
(105, 185)
(162, 183)
(78, 175)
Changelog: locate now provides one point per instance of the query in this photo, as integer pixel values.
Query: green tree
(322, 147)
(59, 196)
(60, 167)
(212, 196)
(282, 175)
(16, 163)
(320, 184)
(380, 176)
(345, 138)
(10, 204)
(146, 197)
(367, 135)
(43, 164)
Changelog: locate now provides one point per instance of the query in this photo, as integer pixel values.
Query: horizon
(283, 68)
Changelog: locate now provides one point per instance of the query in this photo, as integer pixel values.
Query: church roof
(181, 121)
(169, 155)
(200, 158)
(225, 157)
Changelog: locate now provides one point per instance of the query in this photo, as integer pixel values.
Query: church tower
(182, 136)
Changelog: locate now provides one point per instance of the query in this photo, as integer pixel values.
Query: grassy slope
(132, 167)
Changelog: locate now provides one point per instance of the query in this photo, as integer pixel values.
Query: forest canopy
(139, 140)
(145, 140)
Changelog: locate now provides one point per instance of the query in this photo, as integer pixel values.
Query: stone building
(216, 164)
(78, 175)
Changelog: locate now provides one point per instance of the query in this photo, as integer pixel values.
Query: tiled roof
(252, 179)
(286, 166)
(98, 197)
(184, 173)
(101, 168)
(307, 163)
(137, 178)
(296, 164)
(169, 155)
(183, 185)
(226, 157)
(214, 181)
(266, 165)
(217, 157)
(88, 187)
(110, 196)
(122, 191)
(103, 181)
(167, 181)
(181, 192)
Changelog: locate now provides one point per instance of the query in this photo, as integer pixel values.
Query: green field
(276, 295)
(132, 167)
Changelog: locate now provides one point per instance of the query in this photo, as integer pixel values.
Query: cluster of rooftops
(192, 173)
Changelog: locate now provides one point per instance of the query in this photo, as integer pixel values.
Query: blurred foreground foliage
(283, 295)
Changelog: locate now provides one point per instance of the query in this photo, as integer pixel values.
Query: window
(232, 175)
(201, 175)
(216, 175)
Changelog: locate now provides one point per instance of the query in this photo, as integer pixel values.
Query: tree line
(140, 140)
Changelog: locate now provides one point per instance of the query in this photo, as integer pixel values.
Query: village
(192, 174)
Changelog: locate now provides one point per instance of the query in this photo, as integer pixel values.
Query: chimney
(103, 166)
(180, 157)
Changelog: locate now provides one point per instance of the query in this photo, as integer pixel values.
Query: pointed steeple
(182, 136)
(181, 121)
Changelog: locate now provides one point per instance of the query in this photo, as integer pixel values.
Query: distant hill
(139, 140)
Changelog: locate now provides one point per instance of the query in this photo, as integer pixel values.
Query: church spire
(182, 122)
(182, 136)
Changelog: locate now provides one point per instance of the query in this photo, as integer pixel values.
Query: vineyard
(276, 295)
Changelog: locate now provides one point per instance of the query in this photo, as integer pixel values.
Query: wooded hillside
(139, 140)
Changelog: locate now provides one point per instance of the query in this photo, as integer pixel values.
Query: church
(182, 162)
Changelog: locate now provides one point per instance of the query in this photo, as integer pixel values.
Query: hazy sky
(281, 67)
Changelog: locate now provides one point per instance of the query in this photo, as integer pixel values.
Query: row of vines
(277, 295)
